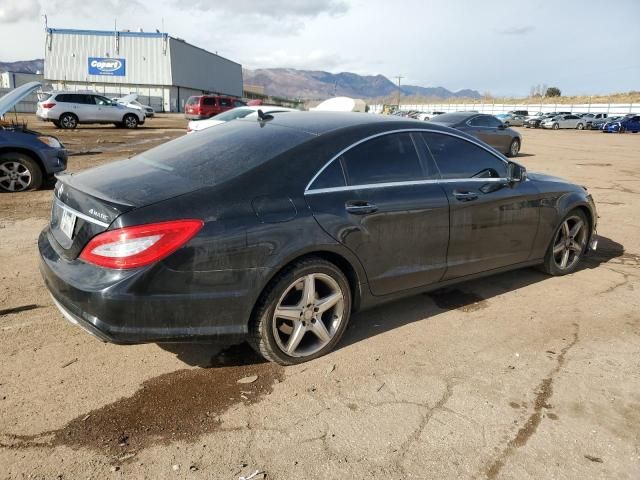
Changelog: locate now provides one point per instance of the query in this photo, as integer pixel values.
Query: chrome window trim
(403, 130)
(400, 184)
(80, 214)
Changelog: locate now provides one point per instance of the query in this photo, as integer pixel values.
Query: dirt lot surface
(517, 376)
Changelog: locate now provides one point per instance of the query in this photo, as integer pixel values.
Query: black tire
(580, 126)
(56, 123)
(261, 326)
(551, 265)
(622, 130)
(514, 148)
(555, 126)
(19, 173)
(68, 121)
(130, 121)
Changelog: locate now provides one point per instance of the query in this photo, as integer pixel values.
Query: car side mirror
(517, 173)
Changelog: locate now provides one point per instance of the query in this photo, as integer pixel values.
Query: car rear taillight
(48, 105)
(140, 245)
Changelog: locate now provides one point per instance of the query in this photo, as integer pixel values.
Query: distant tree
(553, 92)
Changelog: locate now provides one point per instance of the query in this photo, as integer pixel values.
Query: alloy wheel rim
(130, 122)
(308, 315)
(515, 148)
(68, 122)
(14, 176)
(569, 242)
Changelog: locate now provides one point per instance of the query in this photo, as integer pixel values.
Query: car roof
(320, 122)
(456, 117)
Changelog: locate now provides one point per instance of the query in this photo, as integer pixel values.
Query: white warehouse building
(164, 71)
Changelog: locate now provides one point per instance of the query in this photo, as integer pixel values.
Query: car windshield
(239, 112)
(218, 154)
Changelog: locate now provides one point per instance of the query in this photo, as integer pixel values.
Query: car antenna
(263, 117)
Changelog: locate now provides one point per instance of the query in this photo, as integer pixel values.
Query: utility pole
(399, 78)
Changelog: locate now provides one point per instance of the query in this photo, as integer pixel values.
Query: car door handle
(360, 207)
(465, 196)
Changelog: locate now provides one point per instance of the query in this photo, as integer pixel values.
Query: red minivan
(205, 106)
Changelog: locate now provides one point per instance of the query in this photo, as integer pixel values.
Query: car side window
(331, 176)
(63, 97)
(388, 158)
(208, 101)
(459, 158)
(102, 100)
(479, 121)
(224, 102)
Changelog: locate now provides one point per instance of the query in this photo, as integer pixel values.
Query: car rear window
(192, 100)
(216, 155)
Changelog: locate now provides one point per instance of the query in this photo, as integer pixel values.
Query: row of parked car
(551, 120)
(579, 121)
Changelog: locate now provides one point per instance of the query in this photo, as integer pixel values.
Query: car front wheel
(19, 172)
(568, 244)
(302, 314)
(514, 148)
(556, 126)
(580, 126)
(130, 121)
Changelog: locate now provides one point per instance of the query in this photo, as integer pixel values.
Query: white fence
(496, 108)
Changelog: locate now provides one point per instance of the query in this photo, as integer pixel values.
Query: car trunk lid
(77, 216)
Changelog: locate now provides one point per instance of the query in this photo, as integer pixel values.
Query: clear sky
(503, 47)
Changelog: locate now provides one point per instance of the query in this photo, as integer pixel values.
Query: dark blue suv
(27, 158)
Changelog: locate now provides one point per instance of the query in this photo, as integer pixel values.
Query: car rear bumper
(130, 306)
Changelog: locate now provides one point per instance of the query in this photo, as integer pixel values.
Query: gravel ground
(518, 375)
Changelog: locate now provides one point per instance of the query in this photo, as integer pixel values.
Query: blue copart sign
(114, 67)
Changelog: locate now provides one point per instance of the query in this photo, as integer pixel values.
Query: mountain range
(308, 84)
(319, 85)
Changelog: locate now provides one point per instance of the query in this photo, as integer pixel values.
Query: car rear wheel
(514, 148)
(68, 121)
(302, 314)
(568, 244)
(555, 126)
(130, 121)
(19, 172)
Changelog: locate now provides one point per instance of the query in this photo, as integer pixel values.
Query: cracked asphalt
(514, 376)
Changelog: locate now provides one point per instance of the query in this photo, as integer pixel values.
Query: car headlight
(51, 141)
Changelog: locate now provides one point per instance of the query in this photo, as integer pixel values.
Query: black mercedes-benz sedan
(277, 229)
(485, 127)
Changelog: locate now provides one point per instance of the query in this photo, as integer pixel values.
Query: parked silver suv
(68, 109)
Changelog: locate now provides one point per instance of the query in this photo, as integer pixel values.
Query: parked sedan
(27, 158)
(485, 127)
(601, 122)
(277, 231)
(630, 123)
(511, 120)
(535, 121)
(563, 121)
